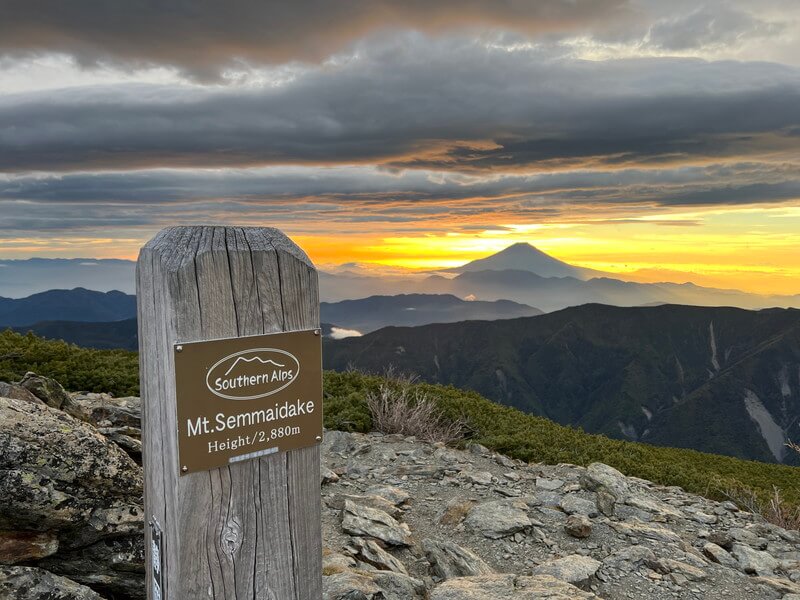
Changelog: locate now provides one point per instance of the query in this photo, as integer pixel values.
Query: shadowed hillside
(720, 380)
(77, 304)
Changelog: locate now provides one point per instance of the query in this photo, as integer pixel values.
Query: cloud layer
(314, 198)
(204, 36)
(412, 119)
(414, 102)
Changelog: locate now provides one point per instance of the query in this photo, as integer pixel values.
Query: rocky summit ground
(402, 519)
(405, 519)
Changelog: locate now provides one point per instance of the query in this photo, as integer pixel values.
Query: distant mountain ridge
(722, 380)
(91, 318)
(548, 293)
(112, 335)
(78, 304)
(21, 278)
(375, 312)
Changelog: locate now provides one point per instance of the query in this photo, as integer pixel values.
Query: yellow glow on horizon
(755, 249)
(752, 248)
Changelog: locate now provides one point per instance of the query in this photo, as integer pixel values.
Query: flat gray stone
(498, 518)
(574, 569)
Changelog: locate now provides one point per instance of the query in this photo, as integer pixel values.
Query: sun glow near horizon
(752, 248)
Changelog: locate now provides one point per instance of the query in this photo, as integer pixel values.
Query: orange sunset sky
(660, 141)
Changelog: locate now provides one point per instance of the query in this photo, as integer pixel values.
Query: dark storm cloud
(202, 36)
(368, 195)
(414, 102)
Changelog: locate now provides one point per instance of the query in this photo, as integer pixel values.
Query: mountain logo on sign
(255, 358)
(252, 374)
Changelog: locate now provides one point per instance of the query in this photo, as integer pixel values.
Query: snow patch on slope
(714, 360)
(680, 369)
(769, 429)
(783, 380)
(647, 413)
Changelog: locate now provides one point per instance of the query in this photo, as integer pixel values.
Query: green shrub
(78, 369)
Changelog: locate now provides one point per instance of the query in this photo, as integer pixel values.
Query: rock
(336, 562)
(370, 552)
(574, 504)
(371, 522)
(390, 493)
(747, 537)
(47, 390)
(611, 486)
(688, 572)
(119, 419)
(337, 501)
(701, 517)
(719, 555)
(478, 477)
(61, 478)
(498, 518)
(510, 587)
(629, 557)
(349, 586)
(327, 476)
(449, 560)
(782, 586)
(337, 442)
(104, 410)
(112, 566)
(21, 546)
(455, 511)
(579, 526)
(754, 562)
(17, 392)
(28, 583)
(602, 477)
(478, 449)
(550, 485)
(504, 461)
(574, 569)
(397, 586)
(127, 439)
(721, 538)
(651, 505)
(636, 529)
(605, 503)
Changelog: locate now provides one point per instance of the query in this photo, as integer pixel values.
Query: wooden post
(251, 529)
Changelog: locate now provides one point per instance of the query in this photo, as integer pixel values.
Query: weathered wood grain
(250, 530)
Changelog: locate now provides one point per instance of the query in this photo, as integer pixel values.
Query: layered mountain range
(524, 274)
(720, 380)
(107, 319)
(520, 273)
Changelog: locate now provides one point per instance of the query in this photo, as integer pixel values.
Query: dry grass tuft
(793, 446)
(775, 510)
(396, 409)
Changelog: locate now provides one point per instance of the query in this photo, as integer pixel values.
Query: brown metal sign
(246, 397)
